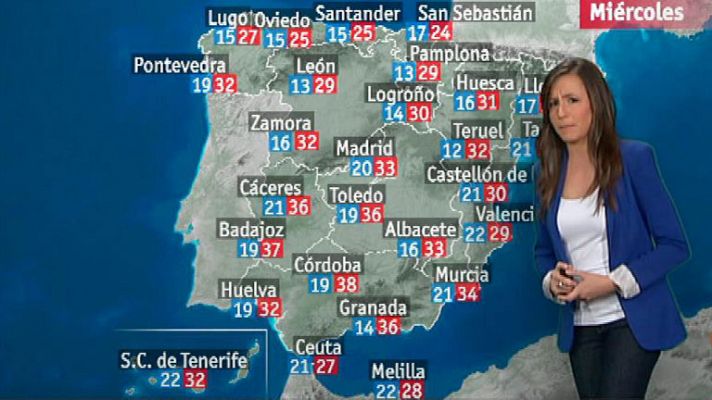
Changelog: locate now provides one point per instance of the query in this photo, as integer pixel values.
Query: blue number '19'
(347, 213)
(248, 248)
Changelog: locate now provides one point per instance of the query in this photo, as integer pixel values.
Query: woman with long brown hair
(608, 234)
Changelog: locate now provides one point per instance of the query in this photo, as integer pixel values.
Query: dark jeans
(608, 363)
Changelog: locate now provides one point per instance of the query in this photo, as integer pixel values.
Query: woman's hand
(560, 284)
(591, 286)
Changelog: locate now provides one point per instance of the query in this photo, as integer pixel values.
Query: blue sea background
(95, 162)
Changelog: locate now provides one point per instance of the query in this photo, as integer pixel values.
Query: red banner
(636, 14)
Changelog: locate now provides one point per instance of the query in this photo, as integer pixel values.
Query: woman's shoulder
(633, 150)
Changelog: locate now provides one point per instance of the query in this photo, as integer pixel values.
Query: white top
(586, 242)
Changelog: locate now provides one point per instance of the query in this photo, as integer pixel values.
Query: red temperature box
(299, 38)
(306, 140)
(325, 83)
(419, 112)
(488, 100)
(347, 283)
(363, 31)
(269, 307)
(496, 192)
(468, 291)
(500, 232)
(326, 365)
(248, 35)
(412, 389)
(272, 248)
(434, 247)
(478, 149)
(299, 205)
(385, 166)
(371, 213)
(195, 378)
(441, 31)
(428, 71)
(388, 325)
(225, 83)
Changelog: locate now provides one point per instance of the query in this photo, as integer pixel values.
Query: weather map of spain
(340, 202)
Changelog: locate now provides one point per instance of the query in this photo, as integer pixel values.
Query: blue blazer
(644, 233)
